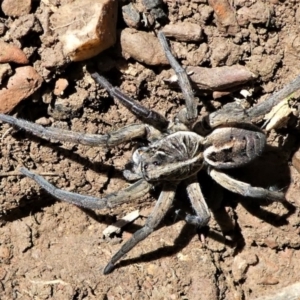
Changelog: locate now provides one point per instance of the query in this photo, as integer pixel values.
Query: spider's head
(232, 147)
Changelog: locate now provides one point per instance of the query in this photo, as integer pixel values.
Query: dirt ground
(54, 250)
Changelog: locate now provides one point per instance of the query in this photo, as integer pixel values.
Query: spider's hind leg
(148, 116)
(134, 191)
(161, 208)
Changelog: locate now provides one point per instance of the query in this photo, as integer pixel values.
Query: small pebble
(131, 15)
(60, 85)
(258, 13)
(20, 86)
(220, 78)
(4, 252)
(43, 121)
(184, 32)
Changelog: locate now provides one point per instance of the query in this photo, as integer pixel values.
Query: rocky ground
(54, 250)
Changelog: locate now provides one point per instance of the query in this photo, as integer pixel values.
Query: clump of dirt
(54, 250)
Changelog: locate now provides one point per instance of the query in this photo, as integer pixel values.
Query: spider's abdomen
(175, 157)
(230, 147)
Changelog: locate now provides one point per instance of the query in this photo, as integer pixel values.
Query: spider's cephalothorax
(231, 147)
(174, 153)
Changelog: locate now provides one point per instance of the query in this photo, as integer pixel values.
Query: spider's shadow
(30, 205)
(269, 171)
(57, 147)
(186, 235)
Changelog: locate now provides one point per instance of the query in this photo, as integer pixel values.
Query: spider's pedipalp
(134, 191)
(161, 207)
(149, 116)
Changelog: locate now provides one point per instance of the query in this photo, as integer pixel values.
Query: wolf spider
(174, 153)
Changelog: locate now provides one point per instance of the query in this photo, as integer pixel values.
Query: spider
(174, 153)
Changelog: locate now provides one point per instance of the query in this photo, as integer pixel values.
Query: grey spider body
(174, 153)
(182, 154)
(174, 157)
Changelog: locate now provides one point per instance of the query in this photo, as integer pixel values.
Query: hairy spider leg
(198, 202)
(148, 116)
(234, 113)
(134, 191)
(243, 188)
(111, 139)
(161, 207)
(183, 80)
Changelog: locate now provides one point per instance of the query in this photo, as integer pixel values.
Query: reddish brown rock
(143, 47)
(11, 53)
(220, 78)
(225, 16)
(20, 86)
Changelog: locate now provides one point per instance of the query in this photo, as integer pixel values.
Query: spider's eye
(145, 166)
(156, 163)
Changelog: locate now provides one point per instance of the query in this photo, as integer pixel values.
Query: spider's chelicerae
(174, 153)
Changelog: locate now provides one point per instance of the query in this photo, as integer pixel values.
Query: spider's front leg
(162, 206)
(183, 80)
(234, 113)
(148, 116)
(111, 139)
